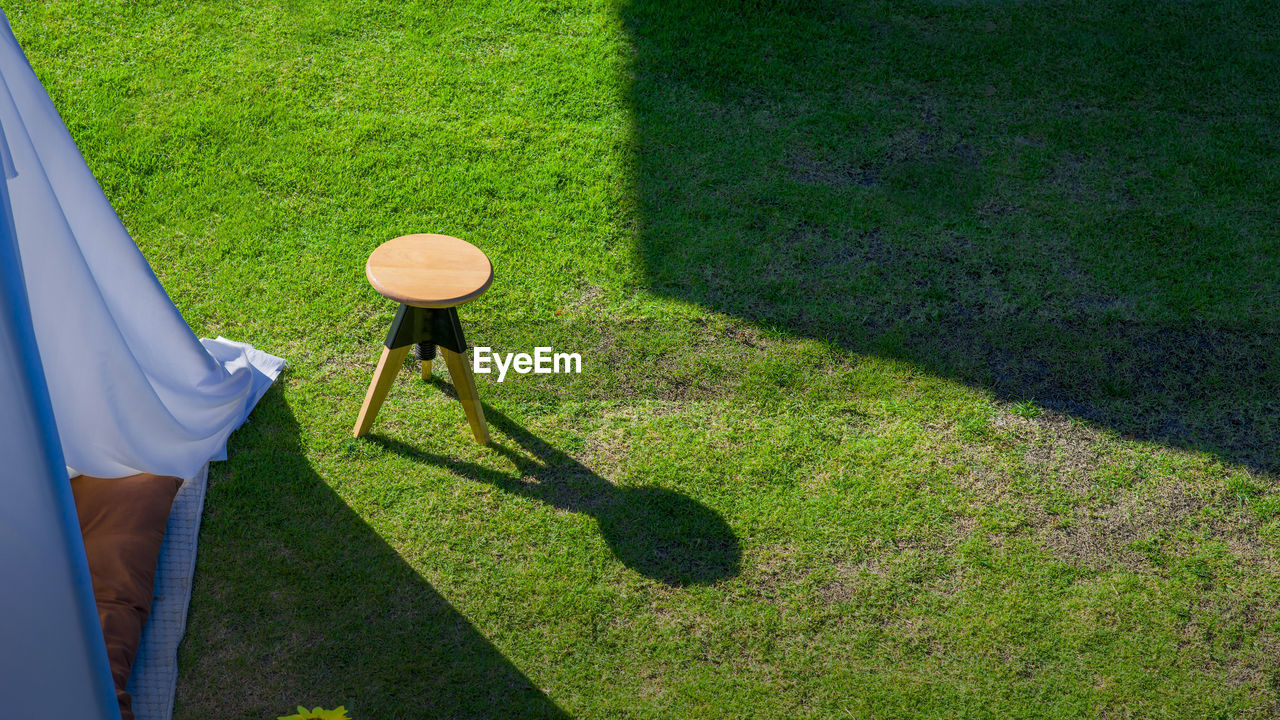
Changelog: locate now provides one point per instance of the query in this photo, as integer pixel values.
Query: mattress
(154, 679)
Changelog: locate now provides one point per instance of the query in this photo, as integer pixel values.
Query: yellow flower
(318, 713)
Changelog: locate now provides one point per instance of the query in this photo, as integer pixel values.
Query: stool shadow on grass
(659, 533)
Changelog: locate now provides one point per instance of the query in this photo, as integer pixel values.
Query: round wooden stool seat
(429, 271)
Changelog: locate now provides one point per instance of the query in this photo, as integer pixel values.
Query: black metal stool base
(426, 327)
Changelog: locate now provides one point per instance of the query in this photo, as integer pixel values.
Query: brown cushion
(123, 521)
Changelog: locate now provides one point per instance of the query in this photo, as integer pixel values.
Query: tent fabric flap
(53, 662)
(132, 388)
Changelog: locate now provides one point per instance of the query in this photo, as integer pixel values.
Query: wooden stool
(430, 276)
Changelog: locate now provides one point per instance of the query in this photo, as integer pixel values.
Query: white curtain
(132, 388)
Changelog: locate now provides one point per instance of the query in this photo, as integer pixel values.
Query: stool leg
(465, 385)
(426, 353)
(388, 364)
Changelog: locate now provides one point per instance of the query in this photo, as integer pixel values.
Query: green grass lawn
(931, 363)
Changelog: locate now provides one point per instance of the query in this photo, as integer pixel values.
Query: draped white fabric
(53, 662)
(132, 388)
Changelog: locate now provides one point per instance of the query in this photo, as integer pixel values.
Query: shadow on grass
(1069, 204)
(298, 601)
(659, 533)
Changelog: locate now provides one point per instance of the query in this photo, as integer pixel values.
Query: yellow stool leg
(465, 385)
(426, 369)
(388, 364)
